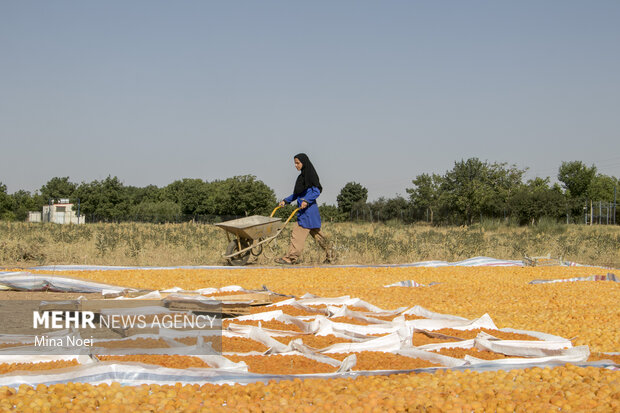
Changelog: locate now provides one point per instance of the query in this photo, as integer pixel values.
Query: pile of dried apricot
(566, 388)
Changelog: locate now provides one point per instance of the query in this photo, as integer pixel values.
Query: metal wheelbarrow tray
(254, 227)
(250, 235)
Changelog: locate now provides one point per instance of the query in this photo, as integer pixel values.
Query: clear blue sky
(375, 92)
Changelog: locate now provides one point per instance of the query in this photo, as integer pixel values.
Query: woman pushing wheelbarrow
(307, 189)
(247, 236)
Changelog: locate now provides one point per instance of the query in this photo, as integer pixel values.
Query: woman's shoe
(330, 258)
(283, 261)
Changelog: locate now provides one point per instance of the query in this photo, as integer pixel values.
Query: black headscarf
(308, 176)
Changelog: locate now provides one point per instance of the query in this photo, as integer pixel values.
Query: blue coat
(308, 217)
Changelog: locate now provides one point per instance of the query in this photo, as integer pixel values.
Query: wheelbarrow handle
(274, 210)
(290, 216)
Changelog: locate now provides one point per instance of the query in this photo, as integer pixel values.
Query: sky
(374, 92)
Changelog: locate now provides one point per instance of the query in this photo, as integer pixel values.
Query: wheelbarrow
(246, 236)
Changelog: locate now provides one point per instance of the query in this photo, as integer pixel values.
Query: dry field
(24, 244)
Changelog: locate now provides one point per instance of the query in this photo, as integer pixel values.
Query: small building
(34, 216)
(60, 212)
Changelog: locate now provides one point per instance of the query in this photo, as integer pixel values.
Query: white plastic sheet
(26, 281)
(547, 350)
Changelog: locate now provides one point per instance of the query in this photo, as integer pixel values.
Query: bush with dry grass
(26, 244)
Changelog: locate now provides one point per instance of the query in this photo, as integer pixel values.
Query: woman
(307, 190)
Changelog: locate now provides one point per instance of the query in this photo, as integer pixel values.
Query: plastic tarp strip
(423, 312)
(432, 357)
(537, 334)
(27, 281)
(407, 283)
(387, 343)
(134, 374)
(470, 262)
(42, 358)
(437, 324)
(524, 348)
(608, 277)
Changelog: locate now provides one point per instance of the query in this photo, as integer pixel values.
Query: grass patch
(27, 244)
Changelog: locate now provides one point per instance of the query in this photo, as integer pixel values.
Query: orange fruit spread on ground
(586, 312)
(564, 388)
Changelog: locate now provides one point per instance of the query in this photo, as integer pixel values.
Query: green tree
(576, 178)
(149, 193)
(331, 213)
(534, 200)
(242, 195)
(190, 194)
(474, 188)
(57, 188)
(466, 189)
(395, 208)
(6, 203)
(426, 193)
(156, 211)
(105, 199)
(602, 188)
(385, 209)
(350, 195)
(503, 180)
(23, 202)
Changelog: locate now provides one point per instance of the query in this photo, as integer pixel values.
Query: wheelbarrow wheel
(241, 259)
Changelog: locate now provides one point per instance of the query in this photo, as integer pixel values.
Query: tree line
(470, 191)
(110, 200)
(473, 190)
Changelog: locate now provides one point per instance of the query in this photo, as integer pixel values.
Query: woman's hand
(304, 205)
(282, 203)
